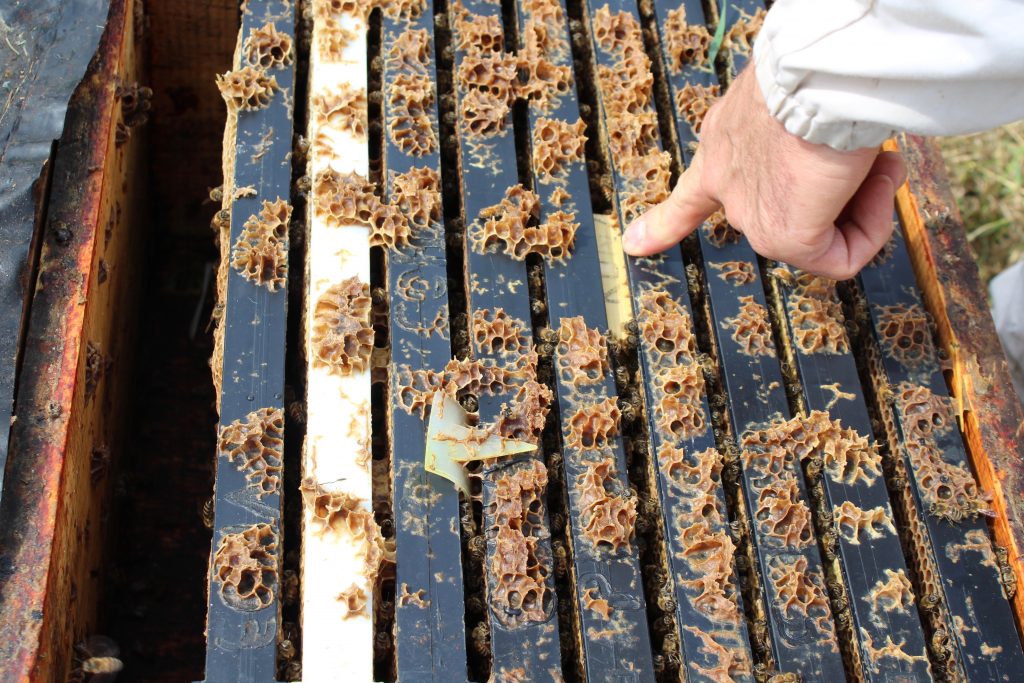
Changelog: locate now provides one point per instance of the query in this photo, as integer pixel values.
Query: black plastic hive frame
(521, 640)
(867, 562)
(430, 634)
(977, 618)
(757, 397)
(864, 562)
(242, 643)
(706, 639)
(615, 645)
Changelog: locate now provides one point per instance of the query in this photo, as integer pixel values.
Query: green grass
(986, 173)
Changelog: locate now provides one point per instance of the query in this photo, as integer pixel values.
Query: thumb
(673, 219)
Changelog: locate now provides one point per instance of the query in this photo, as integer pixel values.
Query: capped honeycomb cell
(556, 145)
(415, 388)
(633, 136)
(478, 33)
(543, 82)
(783, 515)
(247, 89)
(552, 240)
(497, 332)
(686, 43)
(342, 336)
(625, 87)
(410, 53)
(505, 226)
(710, 556)
(546, 11)
(599, 606)
(389, 227)
(483, 114)
(816, 315)
(410, 126)
(335, 9)
(490, 73)
(622, 97)
(923, 414)
(740, 38)
(949, 489)
(414, 135)
(581, 356)
(245, 565)
(693, 102)
(593, 425)
(614, 32)
(342, 108)
(354, 600)
(700, 472)
(751, 328)
(847, 456)
(890, 649)
(608, 517)
(517, 576)
(417, 194)
(718, 231)
(343, 198)
(729, 663)
(852, 522)
(893, 593)
(678, 405)
(260, 253)
(665, 328)
(801, 593)
(646, 182)
(523, 418)
(906, 335)
(268, 48)
(735, 272)
(338, 512)
(257, 444)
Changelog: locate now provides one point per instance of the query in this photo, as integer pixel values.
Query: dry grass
(986, 173)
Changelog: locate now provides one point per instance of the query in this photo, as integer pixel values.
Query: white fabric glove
(850, 73)
(1007, 290)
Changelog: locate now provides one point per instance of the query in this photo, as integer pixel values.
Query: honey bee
(97, 658)
(207, 513)
(785, 678)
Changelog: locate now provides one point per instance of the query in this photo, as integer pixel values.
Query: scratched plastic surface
(616, 646)
(754, 385)
(430, 635)
(863, 562)
(523, 642)
(241, 644)
(665, 274)
(979, 619)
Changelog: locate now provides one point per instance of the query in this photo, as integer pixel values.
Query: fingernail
(634, 235)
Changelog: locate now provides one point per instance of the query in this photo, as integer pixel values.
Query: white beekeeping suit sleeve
(849, 73)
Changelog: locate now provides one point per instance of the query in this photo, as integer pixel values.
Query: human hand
(824, 211)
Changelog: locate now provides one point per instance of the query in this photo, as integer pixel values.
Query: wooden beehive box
(111, 462)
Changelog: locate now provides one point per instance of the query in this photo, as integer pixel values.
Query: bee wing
(100, 646)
